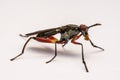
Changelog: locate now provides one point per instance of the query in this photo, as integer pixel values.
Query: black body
(67, 32)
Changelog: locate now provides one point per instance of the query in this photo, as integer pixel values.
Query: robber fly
(70, 32)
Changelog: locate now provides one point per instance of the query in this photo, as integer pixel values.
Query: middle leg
(50, 39)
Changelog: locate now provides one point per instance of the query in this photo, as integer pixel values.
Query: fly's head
(84, 31)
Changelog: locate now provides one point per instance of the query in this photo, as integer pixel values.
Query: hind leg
(40, 39)
(22, 49)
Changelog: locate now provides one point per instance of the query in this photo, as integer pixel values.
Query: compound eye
(83, 27)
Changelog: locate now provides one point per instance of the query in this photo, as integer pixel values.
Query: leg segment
(22, 49)
(83, 60)
(95, 45)
(54, 55)
(64, 43)
(50, 40)
(40, 39)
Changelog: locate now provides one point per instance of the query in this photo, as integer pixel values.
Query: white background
(23, 16)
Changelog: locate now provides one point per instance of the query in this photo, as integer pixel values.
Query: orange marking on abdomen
(43, 40)
(48, 40)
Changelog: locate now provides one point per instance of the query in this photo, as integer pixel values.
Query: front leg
(95, 45)
(83, 59)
